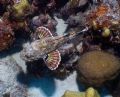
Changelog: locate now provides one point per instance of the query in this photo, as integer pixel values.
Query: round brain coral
(6, 35)
(96, 67)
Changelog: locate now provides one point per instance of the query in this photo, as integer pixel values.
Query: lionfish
(47, 45)
(53, 58)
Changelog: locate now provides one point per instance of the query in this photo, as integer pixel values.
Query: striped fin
(44, 32)
(53, 60)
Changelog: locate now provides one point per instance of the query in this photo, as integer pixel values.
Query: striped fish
(53, 59)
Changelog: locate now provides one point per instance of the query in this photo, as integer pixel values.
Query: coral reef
(93, 30)
(96, 67)
(104, 21)
(73, 7)
(47, 6)
(6, 35)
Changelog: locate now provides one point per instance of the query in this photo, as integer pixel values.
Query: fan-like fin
(53, 60)
(43, 32)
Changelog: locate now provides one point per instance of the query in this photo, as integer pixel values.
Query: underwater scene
(59, 48)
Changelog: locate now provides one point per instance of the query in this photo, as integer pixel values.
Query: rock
(76, 20)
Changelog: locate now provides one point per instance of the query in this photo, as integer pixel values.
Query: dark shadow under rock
(38, 68)
(45, 84)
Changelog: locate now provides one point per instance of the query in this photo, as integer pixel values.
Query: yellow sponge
(90, 92)
(20, 7)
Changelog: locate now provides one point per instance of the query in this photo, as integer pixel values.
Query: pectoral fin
(43, 32)
(53, 60)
